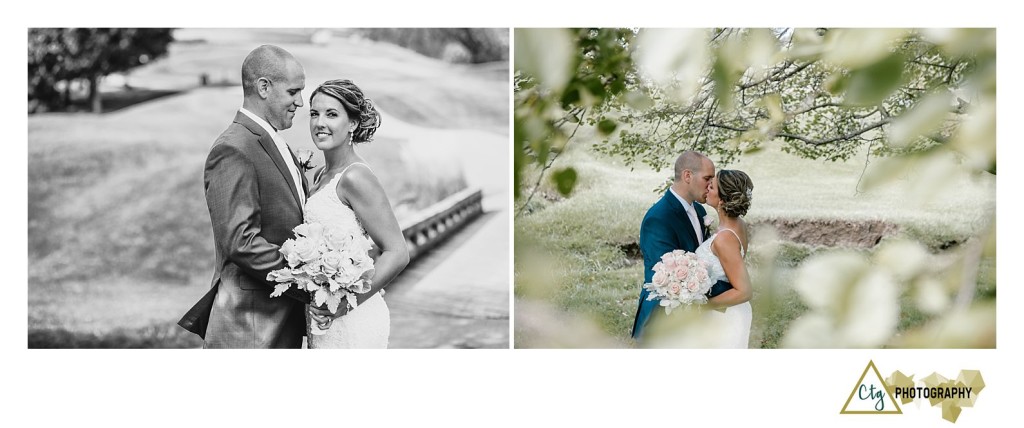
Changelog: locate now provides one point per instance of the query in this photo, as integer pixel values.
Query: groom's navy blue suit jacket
(665, 228)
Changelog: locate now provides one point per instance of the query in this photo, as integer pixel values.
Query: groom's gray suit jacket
(253, 207)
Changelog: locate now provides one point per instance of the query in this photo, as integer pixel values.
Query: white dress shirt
(282, 147)
(692, 213)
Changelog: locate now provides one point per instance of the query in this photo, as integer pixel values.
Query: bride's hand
(323, 317)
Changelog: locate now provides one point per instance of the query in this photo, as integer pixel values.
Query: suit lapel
(680, 212)
(305, 185)
(270, 147)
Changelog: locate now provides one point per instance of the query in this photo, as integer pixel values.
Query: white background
(487, 387)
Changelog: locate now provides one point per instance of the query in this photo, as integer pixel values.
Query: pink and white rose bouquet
(330, 263)
(680, 278)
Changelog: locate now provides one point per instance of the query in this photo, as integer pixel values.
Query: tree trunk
(67, 94)
(475, 47)
(94, 94)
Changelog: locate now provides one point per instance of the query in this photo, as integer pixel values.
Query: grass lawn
(583, 248)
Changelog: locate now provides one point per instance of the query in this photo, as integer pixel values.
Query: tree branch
(867, 161)
(814, 107)
(554, 155)
(949, 74)
(783, 67)
(704, 126)
(731, 128)
(865, 115)
(775, 77)
(847, 136)
(571, 113)
(931, 64)
(811, 141)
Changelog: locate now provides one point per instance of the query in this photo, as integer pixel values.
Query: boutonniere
(305, 158)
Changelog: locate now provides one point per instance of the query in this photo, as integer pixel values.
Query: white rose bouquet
(331, 264)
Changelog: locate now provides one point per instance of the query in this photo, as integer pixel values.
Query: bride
(345, 192)
(730, 193)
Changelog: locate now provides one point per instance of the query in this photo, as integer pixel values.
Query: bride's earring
(350, 137)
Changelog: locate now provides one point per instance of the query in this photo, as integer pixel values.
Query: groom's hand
(374, 252)
(719, 288)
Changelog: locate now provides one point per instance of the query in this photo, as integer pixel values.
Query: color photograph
(755, 188)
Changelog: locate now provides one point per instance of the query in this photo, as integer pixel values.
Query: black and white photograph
(268, 188)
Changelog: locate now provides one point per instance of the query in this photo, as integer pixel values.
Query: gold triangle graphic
(887, 391)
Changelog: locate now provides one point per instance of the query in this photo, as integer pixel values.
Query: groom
(255, 192)
(676, 222)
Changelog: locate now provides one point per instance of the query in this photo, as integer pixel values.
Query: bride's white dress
(369, 324)
(733, 325)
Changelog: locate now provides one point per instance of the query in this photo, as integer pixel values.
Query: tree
(68, 54)
(567, 77)
(480, 44)
(824, 93)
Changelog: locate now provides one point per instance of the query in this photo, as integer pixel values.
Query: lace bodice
(326, 208)
(369, 324)
(715, 269)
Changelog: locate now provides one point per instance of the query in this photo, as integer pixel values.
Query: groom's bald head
(690, 160)
(272, 84)
(693, 173)
(267, 61)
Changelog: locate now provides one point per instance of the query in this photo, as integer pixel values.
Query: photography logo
(870, 395)
(873, 394)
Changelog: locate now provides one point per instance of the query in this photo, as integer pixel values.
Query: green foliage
(921, 100)
(825, 93)
(871, 85)
(773, 316)
(590, 269)
(607, 126)
(565, 180)
(792, 253)
(547, 97)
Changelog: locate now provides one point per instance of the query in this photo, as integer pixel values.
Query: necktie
(691, 212)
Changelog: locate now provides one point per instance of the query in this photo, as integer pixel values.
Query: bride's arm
(361, 190)
(727, 248)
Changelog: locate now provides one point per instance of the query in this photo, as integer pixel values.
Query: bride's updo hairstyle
(735, 189)
(357, 107)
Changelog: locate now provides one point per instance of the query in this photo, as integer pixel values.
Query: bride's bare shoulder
(727, 241)
(359, 181)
